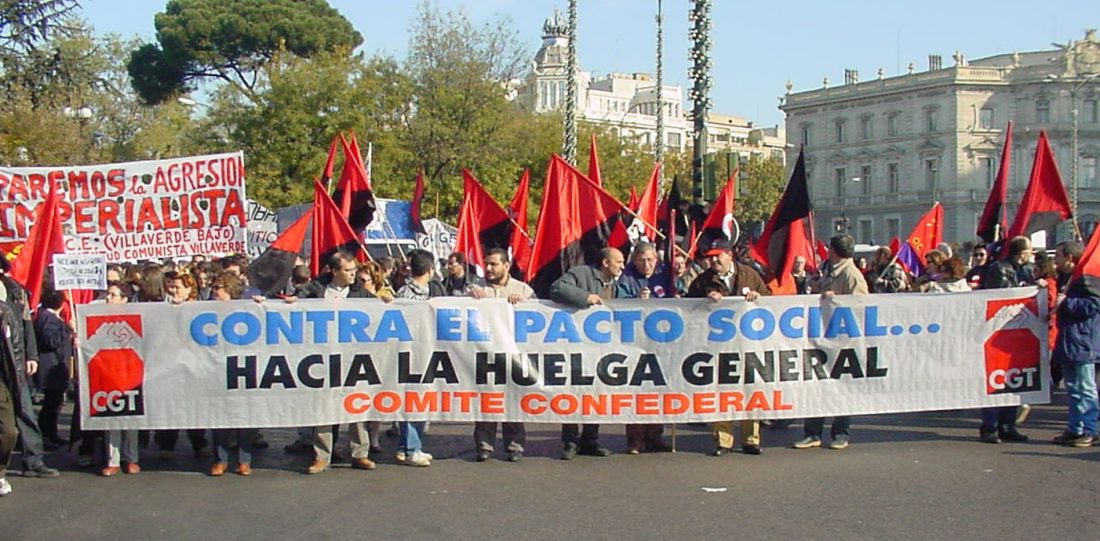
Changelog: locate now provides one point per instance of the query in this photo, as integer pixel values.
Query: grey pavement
(911, 476)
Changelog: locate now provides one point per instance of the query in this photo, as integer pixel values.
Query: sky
(757, 46)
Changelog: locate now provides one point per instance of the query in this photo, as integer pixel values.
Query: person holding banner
(339, 283)
(122, 445)
(1077, 351)
(501, 286)
(653, 281)
(728, 278)
(181, 287)
(843, 278)
(419, 287)
(999, 423)
(582, 287)
(227, 286)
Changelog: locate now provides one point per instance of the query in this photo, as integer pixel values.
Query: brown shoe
(317, 467)
(363, 464)
(132, 468)
(244, 470)
(109, 471)
(218, 470)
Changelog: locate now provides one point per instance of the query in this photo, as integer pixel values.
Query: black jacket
(23, 340)
(55, 350)
(316, 289)
(11, 366)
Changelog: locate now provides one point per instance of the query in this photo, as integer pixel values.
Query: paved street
(916, 476)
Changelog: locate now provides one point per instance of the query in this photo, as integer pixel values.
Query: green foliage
(230, 40)
(24, 24)
(761, 189)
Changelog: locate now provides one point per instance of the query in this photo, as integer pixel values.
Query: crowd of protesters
(38, 354)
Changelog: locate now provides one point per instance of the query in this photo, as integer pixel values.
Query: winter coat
(1078, 328)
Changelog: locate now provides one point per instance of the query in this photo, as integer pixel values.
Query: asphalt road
(913, 476)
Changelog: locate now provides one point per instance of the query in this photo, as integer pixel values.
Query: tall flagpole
(569, 147)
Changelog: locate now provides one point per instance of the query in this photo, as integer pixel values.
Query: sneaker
(632, 451)
(989, 437)
(1071, 439)
(594, 450)
(515, 456)
(568, 451)
(41, 470)
(751, 449)
(400, 457)
(482, 456)
(1022, 413)
(809, 442)
(1013, 436)
(5, 487)
(840, 441)
(419, 459)
(721, 451)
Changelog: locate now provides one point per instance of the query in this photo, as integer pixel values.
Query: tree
(26, 23)
(230, 40)
(762, 186)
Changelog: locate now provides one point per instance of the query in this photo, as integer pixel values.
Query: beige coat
(845, 279)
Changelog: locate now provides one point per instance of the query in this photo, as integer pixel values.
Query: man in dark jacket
(55, 353)
(999, 423)
(1077, 350)
(339, 283)
(9, 404)
(728, 278)
(583, 287)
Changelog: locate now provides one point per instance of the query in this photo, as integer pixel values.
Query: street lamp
(1075, 86)
(622, 121)
(188, 102)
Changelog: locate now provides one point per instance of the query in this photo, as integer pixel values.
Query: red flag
(645, 223)
(1045, 203)
(521, 241)
(353, 192)
(418, 200)
(895, 245)
(331, 232)
(634, 200)
(577, 220)
(925, 236)
(785, 232)
(594, 163)
(719, 223)
(992, 223)
(482, 223)
(1088, 268)
(43, 241)
(326, 175)
(270, 272)
(823, 251)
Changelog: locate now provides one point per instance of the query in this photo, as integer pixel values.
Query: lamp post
(622, 121)
(1075, 86)
(659, 146)
(701, 83)
(569, 146)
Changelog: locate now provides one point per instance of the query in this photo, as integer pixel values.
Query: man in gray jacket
(583, 287)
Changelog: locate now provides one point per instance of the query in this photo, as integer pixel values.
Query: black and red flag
(482, 224)
(992, 223)
(417, 202)
(353, 194)
(719, 224)
(594, 162)
(577, 220)
(521, 241)
(785, 235)
(331, 231)
(1045, 203)
(270, 272)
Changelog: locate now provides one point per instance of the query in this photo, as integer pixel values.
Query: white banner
(263, 228)
(158, 209)
(244, 364)
(79, 271)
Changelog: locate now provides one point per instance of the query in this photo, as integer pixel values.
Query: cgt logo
(116, 373)
(1012, 354)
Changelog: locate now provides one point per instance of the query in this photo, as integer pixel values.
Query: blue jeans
(411, 436)
(1083, 407)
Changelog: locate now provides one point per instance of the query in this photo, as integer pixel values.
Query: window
(839, 131)
(806, 135)
(893, 227)
(544, 93)
(931, 172)
(985, 118)
(865, 130)
(930, 121)
(840, 174)
(892, 125)
(1090, 112)
(892, 179)
(674, 140)
(986, 172)
(865, 231)
(1089, 172)
(1042, 110)
(865, 179)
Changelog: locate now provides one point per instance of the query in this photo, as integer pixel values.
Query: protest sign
(79, 271)
(263, 228)
(321, 362)
(138, 210)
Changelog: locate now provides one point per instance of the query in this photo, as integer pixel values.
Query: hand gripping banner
(320, 362)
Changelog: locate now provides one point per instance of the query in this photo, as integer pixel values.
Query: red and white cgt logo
(116, 373)
(1012, 353)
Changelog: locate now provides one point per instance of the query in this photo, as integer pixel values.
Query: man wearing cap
(842, 278)
(728, 278)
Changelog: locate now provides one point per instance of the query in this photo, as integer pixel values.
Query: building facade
(629, 102)
(880, 152)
